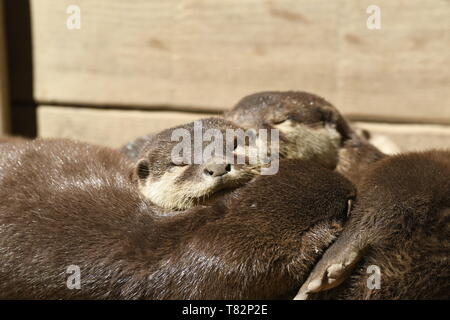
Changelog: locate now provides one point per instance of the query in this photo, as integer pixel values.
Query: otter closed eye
(279, 121)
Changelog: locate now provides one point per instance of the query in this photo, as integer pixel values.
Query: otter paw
(328, 274)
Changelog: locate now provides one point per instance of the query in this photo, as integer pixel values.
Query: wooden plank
(5, 125)
(399, 72)
(189, 53)
(103, 126)
(411, 137)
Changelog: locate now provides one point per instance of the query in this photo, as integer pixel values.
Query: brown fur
(265, 109)
(65, 203)
(356, 156)
(133, 149)
(401, 223)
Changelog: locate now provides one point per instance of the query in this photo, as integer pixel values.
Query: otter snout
(217, 169)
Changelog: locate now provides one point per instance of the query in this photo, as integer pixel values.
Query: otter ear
(143, 169)
(332, 117)
(334, 267)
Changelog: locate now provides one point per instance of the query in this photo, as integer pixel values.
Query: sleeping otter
(401, 225)
(72, 204)
(310, 128)
(172, 178)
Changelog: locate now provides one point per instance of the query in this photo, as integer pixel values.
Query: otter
(171, 178)
(69, 204)
(400, 223)
(310, 128)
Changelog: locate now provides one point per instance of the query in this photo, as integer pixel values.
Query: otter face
(179, 180)
(310, 127)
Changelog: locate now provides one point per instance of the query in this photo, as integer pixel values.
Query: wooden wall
(141, 65)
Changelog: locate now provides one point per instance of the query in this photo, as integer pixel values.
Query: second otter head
(179, 167)
(310, 127)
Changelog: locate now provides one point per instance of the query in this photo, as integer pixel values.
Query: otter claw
(314, 285)
(327, 274)
(334, 272)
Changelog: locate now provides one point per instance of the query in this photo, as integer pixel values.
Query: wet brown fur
(65, 203)
(400, 223)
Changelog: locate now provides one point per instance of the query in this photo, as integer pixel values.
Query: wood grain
(106, 127)
(400, 72)
(205, 55)
(190, 53)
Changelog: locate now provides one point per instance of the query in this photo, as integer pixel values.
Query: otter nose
(217, 170)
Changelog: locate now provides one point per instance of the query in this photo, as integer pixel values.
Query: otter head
(310, 128)
(192, 163)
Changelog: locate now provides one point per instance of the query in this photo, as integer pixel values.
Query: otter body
(400, 224)
(66, 204)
